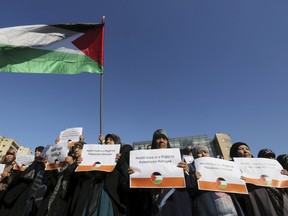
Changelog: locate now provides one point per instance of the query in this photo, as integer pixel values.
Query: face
(9, 156)
(37, 153)
(57, 139)
(109, 141)
(77, 151)
(244, 151)
(162, 142)
(203, 153)
(81, 138)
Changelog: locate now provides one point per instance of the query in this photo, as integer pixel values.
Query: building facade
(6, 144)
(223, 143)
(24, 150)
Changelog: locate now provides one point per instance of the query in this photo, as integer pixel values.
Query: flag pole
(101, 99)
(101, 78)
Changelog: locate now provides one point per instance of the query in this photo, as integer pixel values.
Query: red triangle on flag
(92, 43)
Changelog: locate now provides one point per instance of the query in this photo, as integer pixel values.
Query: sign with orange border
(156, 168)
(262, 172)
(23, 161)
(98, 157)
(219, 175)
(56, 155)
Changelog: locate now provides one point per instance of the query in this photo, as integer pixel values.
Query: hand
(69, 160)
(130, 171)
(23, 167)
(101, 138)
(184, 166)
(197, 175)
(284, 172)
(4, 174)
(118, 155)
(45, 159)
(79, 160)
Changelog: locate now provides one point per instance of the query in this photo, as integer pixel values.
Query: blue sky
(190, 67)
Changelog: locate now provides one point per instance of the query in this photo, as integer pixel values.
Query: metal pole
(101, 78)
(101, 98)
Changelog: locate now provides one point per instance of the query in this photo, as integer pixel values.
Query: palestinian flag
(156, 178)
(52, 49)
(266, 179)
(221, 182)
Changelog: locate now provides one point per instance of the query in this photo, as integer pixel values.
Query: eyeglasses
(9, 153)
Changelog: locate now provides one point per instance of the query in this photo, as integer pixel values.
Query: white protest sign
(24, 159)
(219, 175)
(188, 159)
(262, 172)
(56, 156)
(98, 157)
(46, 152)
(156, 168)
(71, 134)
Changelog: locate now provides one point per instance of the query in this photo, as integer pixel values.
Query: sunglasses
(9, 153)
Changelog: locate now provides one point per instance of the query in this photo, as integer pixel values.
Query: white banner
(156, 168)
(262, 172)
(24, 159)
(98, 157)
(71, 134)
(56, 155)
(188, 159)
(219, 175)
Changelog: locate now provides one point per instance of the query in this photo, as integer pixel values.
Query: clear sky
(192, 67)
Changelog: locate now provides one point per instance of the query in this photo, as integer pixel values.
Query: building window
(226, 140)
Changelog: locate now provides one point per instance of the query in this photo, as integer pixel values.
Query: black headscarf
(266, 153)
(114, 137)
(39, 148)
(234, 149)
(283, 160)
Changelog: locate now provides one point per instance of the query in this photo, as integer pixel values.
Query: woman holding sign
(210, 203)
(9, 161)
(260, 201)
(167, 201)
(170, 201)
(100, 193)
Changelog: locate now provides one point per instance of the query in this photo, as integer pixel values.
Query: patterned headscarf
(160, 133)
(197, 148)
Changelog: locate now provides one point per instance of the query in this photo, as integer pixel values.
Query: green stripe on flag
(44, 61)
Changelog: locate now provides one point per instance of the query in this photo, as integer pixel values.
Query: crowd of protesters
(36, 191)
